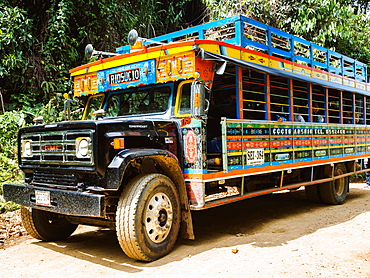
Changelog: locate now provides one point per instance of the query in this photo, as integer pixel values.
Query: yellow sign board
(86, 84)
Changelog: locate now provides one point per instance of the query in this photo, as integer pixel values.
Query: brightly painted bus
(198, 118)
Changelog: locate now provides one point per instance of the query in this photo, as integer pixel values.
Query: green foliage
(16, 42)
(10, 122)
(9, 170)
(6, 205)
(361, 177)
(330, 23)
(40, 41)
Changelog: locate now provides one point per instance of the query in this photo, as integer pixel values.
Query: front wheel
(46, 226)
(148, 217)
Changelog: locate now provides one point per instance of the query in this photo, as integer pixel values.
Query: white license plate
(43, 198)
(255, 156)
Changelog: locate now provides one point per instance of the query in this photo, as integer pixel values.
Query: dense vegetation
(41, 40)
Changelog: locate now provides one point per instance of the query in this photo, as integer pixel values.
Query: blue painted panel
(282, 53)
(258, 45)
(302, 59)
(126, 76)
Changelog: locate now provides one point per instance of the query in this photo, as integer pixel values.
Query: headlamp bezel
(83, 147)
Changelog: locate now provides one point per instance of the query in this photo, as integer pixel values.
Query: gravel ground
(11, 229)
(280, 235)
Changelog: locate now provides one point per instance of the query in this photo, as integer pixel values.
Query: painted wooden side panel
(254, 147)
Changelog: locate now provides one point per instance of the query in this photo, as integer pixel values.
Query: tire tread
(128, 206)
(327, 191)
(29, 225)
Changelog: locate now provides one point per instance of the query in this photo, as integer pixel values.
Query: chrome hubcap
(158, 217)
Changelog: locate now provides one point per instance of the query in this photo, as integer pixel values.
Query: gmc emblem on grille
(52, 148)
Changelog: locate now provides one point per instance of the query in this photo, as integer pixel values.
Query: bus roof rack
(251, 34)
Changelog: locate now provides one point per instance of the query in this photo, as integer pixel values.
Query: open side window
(94, 103)
(183, 100)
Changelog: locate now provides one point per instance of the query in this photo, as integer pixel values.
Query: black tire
(335, 192)
(313, 193)
(148, 217)
(46, 226)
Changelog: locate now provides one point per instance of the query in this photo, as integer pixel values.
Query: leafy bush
(10, 122)
(361, 177)
(7, 206)
(41, 40)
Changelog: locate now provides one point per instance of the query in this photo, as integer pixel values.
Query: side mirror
(99, 114)
(198, 95)
(38, 120)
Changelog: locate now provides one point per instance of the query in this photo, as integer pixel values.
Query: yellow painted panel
(319, 75)
(348, 82)
(177, 50)
(132, 59)
(335, 79)
(232, 52)
(175, 67)
(214, 48)
(361, 86)
(302, 70)
(280, 65)
(255, 58)
(85, 84)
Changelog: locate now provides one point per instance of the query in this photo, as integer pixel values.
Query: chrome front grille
(56, 147)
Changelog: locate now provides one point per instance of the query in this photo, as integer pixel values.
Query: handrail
(251, 34)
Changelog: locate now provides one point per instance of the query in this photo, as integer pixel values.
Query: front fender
(170, 166)
(117, 167)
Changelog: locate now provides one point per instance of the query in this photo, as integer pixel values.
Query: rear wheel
(148, 217)
(46, 226)
(335, 192)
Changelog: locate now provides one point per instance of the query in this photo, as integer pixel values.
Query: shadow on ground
(266, 221)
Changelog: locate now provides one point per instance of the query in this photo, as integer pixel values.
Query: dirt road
(281, 235)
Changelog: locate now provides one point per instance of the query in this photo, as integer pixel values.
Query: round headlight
(82, 148)
(27, 149)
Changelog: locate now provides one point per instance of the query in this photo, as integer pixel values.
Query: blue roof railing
(245, 32)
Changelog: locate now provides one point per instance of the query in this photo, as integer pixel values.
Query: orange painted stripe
(259, 170)
(143, 51)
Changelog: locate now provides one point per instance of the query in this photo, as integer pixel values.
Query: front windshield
(137, 101)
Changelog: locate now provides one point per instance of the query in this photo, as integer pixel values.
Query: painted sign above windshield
(132, 75)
